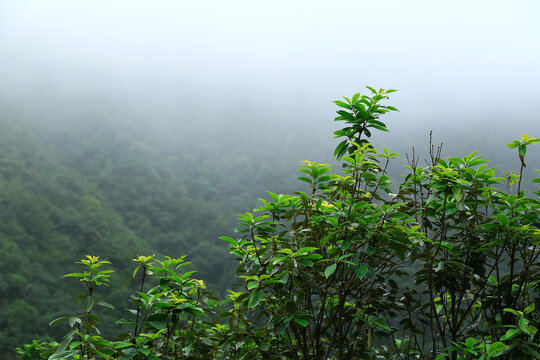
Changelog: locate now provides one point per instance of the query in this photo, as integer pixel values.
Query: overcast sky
(472, 61)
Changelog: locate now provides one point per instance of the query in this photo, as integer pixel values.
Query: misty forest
(355, 262)
(201, 181)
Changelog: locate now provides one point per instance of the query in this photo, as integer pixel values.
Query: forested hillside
(48, 212)
(115, 188)
(119, 189)
(81, 178)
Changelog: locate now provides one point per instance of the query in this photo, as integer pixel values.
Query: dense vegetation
(73, 187)
(445, 265)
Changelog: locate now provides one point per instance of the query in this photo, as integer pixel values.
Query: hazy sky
(475, 61)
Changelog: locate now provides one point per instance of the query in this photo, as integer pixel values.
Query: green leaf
(341, 149)
(105, 304)
(134, 272)
(522, 150)
(88, 304)
(252, 284)
(510, 334)
(311, 256)
(346, 244)
(305, 250)
(255, 299)
(529, 309)
(372, 89)
(65, 341)
(339, 133)
(470, 342)
(224, 314)
(146, 351)
(361, 270)
(330, 270)
(129, 353)
(496, 349)
(74, 275)
(229, 239)
(302, 321)
(284, 324)
(325, 178)
(517, 313)
(56, 321)
(513, 144)
(382, 326)
(286, 251)
(303, 178)
(347, 115)
(343, 104)
(332, 220)
(525, 327)
(74, 320)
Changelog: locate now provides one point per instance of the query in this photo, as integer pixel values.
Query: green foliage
(480, 256)
(175, 318)
(335, 258)
(41, 350)
(361, 114)
(46, 220)
(521, 144)
(90, 187)
(314, 263)
(443, 266)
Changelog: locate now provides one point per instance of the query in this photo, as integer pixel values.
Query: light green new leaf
(496, 349)
(510, 334)
(74, 275)
(252, 285)
(513, 144)
(526, 327)
(333, 221)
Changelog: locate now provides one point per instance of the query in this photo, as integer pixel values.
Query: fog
(462, 67)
